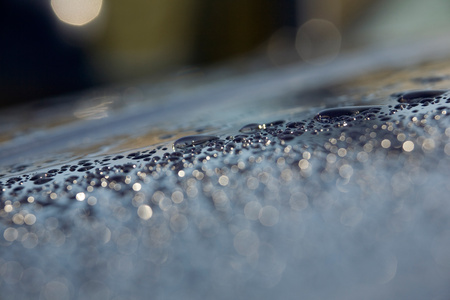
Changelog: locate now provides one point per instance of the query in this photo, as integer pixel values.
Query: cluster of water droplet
(236, 208)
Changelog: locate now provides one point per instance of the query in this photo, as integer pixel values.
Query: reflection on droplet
(318, 41)
(78, 12)
(192, 140)
(251, 128)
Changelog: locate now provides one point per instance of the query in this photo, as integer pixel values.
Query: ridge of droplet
(335, 114)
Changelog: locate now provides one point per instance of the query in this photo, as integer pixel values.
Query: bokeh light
(318, 41)
(77, 13)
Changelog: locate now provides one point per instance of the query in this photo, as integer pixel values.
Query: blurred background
(54, 47)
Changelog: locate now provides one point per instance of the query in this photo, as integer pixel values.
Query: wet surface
(335, 193)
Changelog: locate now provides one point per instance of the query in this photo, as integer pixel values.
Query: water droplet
(192, 140)
(253, 127)
(42, 180)
(342, 113)
(417, 96)
(275, 123)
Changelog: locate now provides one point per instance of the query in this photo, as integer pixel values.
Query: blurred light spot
(303, 164)
(80, 196)
(385, 143)
(30, 240)
(298, 201)
(165, 204)
(78, 13)
(11, 272)
(177, 197)
(10, 234)
(362, 156)
(389, 264)
(30, 219)
(401, 137)
(145, 212)
(17, 219)
(428, 145)
(8, 208)
(223, 180)
(269, 215)
(137, 187)
(318, 41)
(447, 149)
(408, 146)
(32, 280)
(92, 200)
(252, 183)
(342, 152)
(346, 171)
